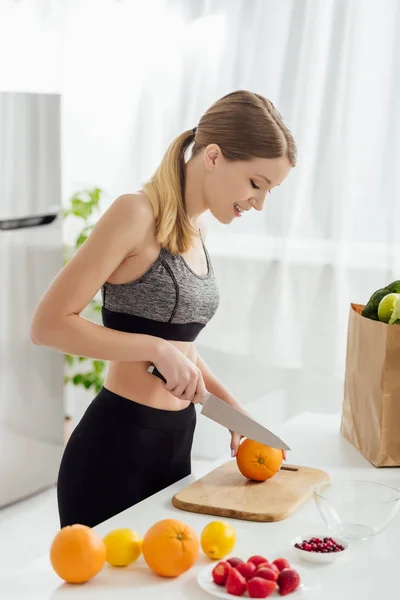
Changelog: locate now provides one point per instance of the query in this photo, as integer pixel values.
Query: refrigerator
(31, 254)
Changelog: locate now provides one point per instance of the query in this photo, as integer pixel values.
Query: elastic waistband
(140, 414)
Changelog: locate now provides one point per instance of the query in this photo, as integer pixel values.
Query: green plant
(83, 206)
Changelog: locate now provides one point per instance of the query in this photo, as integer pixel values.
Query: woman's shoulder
(136, 208)
(130, 216)
(135, 203)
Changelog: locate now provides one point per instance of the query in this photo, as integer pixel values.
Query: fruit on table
(220, 572)
(260, 588)
(370, 310)
(288, 581)
(323, 545)
(123, 547)
(281, 563)
(259, 581)
(247, 569)
(258, 462)
(386, 305)
(270, 566)
(266, 563)
(266, 572)
(257, 560)
(236, 584)
(234, 561)
(170, 547)
(77, 553)
(217, 539)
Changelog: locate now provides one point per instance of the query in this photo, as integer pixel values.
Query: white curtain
(133, 74)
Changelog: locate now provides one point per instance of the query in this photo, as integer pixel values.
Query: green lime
(385, 307)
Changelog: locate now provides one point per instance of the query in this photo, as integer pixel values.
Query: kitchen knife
(223, 413)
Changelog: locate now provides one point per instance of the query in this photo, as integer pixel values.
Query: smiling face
(233, 186)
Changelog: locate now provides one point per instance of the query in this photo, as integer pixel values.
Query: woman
(158, 288)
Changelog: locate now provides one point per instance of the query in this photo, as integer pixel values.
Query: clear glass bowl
(356, 509)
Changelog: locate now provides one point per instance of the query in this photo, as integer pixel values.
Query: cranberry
(324, 545)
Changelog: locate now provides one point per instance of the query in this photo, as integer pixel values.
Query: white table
(370, 570)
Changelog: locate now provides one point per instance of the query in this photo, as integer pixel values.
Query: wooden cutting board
(225, 492)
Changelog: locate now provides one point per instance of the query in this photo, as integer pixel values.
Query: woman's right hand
(183, 378)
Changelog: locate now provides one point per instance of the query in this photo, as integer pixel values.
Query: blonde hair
(245, 126)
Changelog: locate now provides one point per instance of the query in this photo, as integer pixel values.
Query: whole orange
(257, 461)
(77, 553)
(170, 547)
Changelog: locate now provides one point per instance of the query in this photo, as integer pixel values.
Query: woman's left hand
(235, 442)
(236, 437)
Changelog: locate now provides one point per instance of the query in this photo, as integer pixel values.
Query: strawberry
(260, 588)
(288, 581)
(273, 567)
(257, 560)
(236, 583)
(246, 569)
(234, 561)
(267, 573)
(281, 563)
(220, 572)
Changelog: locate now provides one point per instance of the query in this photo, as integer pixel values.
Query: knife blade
(224, 414)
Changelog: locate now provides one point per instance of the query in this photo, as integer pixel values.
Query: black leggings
(120, 453)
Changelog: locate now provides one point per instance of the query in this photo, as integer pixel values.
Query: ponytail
(165, 191)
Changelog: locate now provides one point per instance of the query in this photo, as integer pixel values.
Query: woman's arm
(57, 322)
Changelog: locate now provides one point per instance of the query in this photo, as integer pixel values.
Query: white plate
(317, 557)
(206, 582)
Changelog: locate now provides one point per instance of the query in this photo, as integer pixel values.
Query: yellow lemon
(218, 539)
(123, 547)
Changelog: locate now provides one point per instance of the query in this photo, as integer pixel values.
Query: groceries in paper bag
(371, 406)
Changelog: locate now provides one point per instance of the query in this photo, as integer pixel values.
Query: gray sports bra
(169, 300)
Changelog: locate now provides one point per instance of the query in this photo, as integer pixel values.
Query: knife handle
(154, 371)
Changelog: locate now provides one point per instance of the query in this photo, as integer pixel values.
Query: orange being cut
(258, 462)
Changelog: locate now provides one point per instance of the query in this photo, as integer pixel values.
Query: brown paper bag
(371, 406)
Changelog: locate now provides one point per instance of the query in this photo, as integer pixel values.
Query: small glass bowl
(356, 509)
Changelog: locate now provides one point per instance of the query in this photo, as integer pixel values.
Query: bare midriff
(131, 380)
